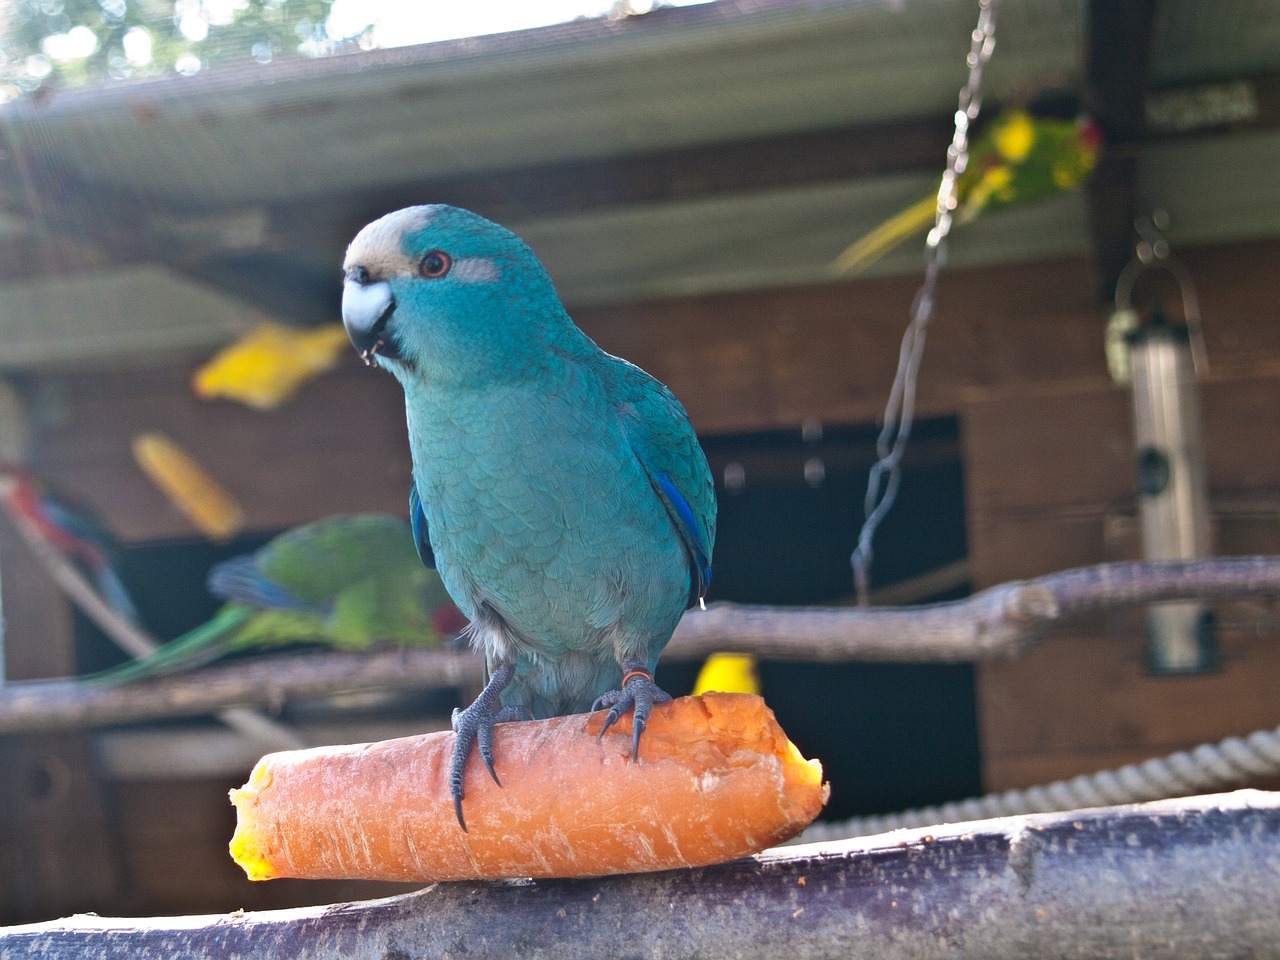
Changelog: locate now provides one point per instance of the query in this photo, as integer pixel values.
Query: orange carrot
(717, 779)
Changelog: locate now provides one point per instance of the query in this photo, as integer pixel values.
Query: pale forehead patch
(377, 247)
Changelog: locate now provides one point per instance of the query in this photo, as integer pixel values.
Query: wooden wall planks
(747, 361)
(739, 362)
(57, 852)
(338, 447)
(772, 358)
(1051, 486)
(1014, 351)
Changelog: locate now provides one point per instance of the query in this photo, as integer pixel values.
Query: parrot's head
(440, 291)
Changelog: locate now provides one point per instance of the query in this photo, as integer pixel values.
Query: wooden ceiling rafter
(1117, 62)
(170, 230)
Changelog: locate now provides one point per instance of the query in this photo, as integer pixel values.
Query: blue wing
(418, 520)
(240, 579)
(691, 531)
(663, 441)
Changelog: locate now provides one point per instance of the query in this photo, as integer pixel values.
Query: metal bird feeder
(1164, 360)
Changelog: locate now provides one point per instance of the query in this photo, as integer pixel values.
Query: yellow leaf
(268, 365)
(202, 499)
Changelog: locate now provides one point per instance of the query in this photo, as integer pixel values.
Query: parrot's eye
(435, 264)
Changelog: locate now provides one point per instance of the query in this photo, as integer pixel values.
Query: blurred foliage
(46, 43)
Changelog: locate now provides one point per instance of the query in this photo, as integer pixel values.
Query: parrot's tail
(194, 648)
(874, 245)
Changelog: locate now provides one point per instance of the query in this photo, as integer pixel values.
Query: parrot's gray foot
(474, 727)
(638, 692)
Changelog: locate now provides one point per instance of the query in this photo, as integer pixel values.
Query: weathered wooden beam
(999, 622)
(55, 847)
(183, 240)
(1117, 54)
(1172, 879)
(887, 148)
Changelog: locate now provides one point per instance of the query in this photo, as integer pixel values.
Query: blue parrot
(560, 491)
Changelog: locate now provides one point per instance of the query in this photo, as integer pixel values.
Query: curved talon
(615, 714)
(473, 724)
(461, 750)
(484, 736)
(638, 724)
(465, 734)
(638, 692)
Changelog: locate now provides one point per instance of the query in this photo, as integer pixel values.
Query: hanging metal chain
(899, 413)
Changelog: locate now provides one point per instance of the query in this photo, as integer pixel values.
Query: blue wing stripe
(689, 527)
(240, 579)
(418, 520)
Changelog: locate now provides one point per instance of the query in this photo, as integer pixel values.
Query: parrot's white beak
(365, 309)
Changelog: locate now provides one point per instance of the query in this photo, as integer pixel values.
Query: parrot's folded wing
(309, 566)
(663, 441)
(241, 580)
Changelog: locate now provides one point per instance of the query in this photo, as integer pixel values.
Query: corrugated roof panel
(1195, 40)
(695, 75)
(772, 239)
(125, 313)
(1215, 190)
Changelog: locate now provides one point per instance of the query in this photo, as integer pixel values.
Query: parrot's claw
(474, 727)
(638, 692)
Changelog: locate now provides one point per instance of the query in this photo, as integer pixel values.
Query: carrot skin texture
(717, 779)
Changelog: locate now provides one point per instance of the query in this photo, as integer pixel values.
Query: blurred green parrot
(1017, 159)
(346, 581)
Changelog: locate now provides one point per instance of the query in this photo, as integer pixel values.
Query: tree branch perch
(1172, 879)
(999, 622)
(267, 682)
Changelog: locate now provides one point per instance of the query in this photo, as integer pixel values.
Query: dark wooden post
(55, 836)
